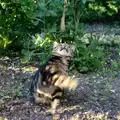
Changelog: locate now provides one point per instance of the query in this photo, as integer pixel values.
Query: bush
(14, 25)
(100, 10)
(38, 48)
(88, 56)
(24, 21)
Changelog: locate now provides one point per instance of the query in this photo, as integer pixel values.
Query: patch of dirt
(97, 97)
(108, 34)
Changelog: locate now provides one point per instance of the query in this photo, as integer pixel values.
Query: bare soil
(96, 98)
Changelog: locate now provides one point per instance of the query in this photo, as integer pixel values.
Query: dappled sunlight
(81, 104)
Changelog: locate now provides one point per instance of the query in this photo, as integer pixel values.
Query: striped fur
(52, 78)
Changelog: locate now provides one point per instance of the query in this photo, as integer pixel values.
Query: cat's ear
(55, 44)
(73, 47)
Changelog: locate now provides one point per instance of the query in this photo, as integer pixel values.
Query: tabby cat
(52, 78)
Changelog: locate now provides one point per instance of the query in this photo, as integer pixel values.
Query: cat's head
(63, 49)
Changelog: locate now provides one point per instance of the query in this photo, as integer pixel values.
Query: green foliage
(14, 25)
(100, 9)
(88, 56)
(39, 47)
(23, 22)
(28, 7)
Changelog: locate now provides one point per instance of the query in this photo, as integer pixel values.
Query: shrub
(100, 10)
(38, 48)
(88, 56)
(23, 22)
